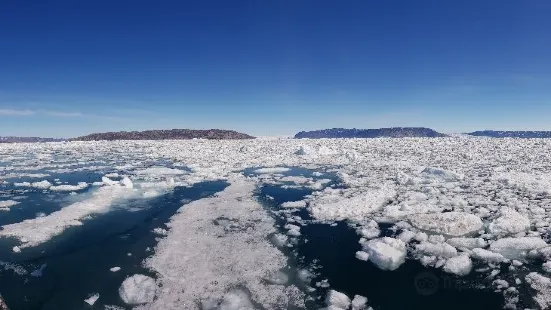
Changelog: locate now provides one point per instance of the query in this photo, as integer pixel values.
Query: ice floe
(189, 277)
(449, 223)
(386, 253)
(138, 289)
(445, 200)
(92, 299)
(32, 232)
(5, 205)
(517, 248)
(460, 265)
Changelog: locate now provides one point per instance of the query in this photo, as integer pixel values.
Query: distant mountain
(28, 139)
(511, 134)
(396, 132)
(171, 134)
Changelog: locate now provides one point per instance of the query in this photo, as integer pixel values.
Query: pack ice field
(386, 223)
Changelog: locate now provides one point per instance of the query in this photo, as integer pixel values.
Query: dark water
(331, 249)
(34, 201)
(78, 261)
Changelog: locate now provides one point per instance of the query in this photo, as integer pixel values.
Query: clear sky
(273, 67)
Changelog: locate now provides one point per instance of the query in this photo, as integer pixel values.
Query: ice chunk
(236, 300)
(16, 249)
(442, 174)
(279, 240)
(510, 222)
(351, 205)
(271, 170)
(542, 286)
(369, 230)
(449, 223)
(460, 265)
(406, 236)
(526, 181)
(517, 248)
(359, 302)
(41, 229)
(305, 150)
(278, 277)
(92, 299)
(337, 299)
(159, 171)
(436, 249)
(160, 231)
(361, 255)
(69, 188)
(294, 204)
(126, 182)
(7, 204)
(138, 289)
(108, 181)
(115, 269)
(293, 230)
(41, 185)
(386, 253)
(467, 243)
(488, 256)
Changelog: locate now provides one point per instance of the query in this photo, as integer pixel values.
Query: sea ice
(5, 205)
(359, 302)
(350, 204)
(386, 253)
(294, 204)
(92, 299)
(517, 248)
(542, 286)
(159, 171)
(69, 188)
(449, 223)
(236, 258)
(488, 256)
(337, 299)
(138, 289)
(361, 255)
(35, 231)
(467, 243)
(41, 185)
(460, 265)
(272, 170)
(436, 249)
(510, 222)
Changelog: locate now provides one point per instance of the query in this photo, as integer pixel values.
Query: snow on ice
(138, 289)
(452, 203)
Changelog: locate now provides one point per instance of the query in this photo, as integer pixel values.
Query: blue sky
(273, 67)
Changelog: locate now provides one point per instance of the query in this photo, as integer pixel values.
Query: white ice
(201, 261)
(138, 289)
(386, 253)
(459, 265)
(32, 232)
(517, 248)
(92, 299)
(5, 205)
